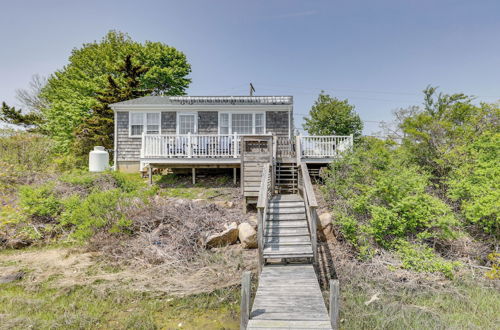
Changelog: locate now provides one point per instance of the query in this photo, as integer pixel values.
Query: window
(259, 123)
(153, 123)
(144, 122)
(242, 123)
(224, 123)
(136, 123)
(186, 123)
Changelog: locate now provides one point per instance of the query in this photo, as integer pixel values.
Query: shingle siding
(168, 122)
(128, 148)
(208, 122)
(277, 122)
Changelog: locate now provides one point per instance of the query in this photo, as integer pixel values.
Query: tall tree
(97, 128)
(331, 116)
(71, 92)
(31, 121)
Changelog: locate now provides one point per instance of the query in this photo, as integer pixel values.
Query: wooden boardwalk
(289, 297)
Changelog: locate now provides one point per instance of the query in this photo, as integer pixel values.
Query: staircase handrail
(265, 192)
(306, 188)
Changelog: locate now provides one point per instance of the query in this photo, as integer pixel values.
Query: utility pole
(251, 89)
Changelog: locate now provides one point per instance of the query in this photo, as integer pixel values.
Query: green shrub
(476, 183)
(39, 201)
(99, 209)
(422, 258)
(378, 199)
(82, 178)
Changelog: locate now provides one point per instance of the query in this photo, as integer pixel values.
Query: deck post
(235, 145)
(190, 146)
(298, 148)
(234, 175)
(245, 300)
(193, 172)
(150, 175)
(334, 303)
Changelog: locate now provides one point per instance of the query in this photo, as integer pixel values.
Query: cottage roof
(207, 100)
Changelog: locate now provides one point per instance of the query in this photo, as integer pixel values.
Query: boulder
(247, 235)
(228, 236)
(252, 220)
(325, 227)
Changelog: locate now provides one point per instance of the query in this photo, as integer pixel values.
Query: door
(186, 124)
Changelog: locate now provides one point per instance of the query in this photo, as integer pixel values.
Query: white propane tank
(98, 160)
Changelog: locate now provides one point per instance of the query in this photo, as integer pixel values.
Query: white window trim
(144, 123)
(177, 126)
(253, 113)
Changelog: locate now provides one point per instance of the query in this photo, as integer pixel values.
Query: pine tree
(98, 129)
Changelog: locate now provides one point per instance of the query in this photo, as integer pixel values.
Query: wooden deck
(289, 297)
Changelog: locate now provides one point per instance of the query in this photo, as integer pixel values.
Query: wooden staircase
(286, 178)
(286, 231)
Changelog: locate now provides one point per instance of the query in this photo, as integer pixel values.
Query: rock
(325, 226)
(12, 277)
(17, 243)
(252, 220)
(199, 201)
(228, 236)
(247, 235)
(227, 204)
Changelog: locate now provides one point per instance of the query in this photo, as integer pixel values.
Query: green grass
(85, 307)
(459, 305)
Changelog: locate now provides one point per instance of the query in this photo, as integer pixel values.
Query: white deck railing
(227, 146)
(190, 146)
(323, 146)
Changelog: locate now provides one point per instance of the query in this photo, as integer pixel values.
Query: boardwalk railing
(265, 193)
(307, 193)
(190, 146)
(322, 146)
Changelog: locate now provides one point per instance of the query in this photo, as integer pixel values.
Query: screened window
(242, 123)
(153, 123)
(224, 123)
(187, 124)
(259, 123)
(144, 122)
(136, 123)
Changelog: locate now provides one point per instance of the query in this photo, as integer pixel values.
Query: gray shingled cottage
(194, 131)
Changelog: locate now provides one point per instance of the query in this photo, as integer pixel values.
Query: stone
(325, 226)
(252, 220)
(247, 235)
(17, 243)
(227, 237)
(227, 204)
(12, 277)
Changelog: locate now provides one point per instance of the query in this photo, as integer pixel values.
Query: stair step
(285, 251)
(287, 198)
(286, 210)
(277, 225)
(286, 216)
(277, 231)
(286, 204)
(287, 240)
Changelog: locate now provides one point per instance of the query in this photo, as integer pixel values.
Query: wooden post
(193, 172)
(190, 147)
(260, 236)
(245, 300)
(334, 303)
(314, 233)
(150, 175)
(235, 145)
(298, 149)
(234, 175)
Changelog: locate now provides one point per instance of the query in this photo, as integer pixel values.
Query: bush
(378, 199)
(40, 201)
(475, 183)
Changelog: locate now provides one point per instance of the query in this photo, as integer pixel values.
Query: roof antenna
(251, 89)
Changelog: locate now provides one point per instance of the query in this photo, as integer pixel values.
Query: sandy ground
(66, 267)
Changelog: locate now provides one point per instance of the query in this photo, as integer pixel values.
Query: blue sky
(378, 54)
